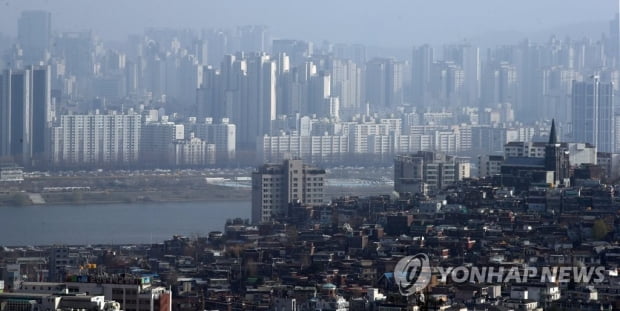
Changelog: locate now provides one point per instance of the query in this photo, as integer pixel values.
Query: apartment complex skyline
(324, 102)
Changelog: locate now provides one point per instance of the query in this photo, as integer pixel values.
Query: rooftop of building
(524, 162)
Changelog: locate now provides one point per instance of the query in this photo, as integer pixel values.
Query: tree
(600, 229)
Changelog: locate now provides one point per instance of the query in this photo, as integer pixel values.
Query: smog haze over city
(393, 23)
(309, 155)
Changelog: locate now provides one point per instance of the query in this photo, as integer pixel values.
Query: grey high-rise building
(384, 83)
(78, 51)
(258, 107)
(500, 84)
(613, 50)
(347, 85)
(25, 115)
(468, 58)
(16, 115)
(217, 46)
(297, 50)
(319, 92)
(421, 62)
(529, 74)
(34, 34)
(593, 114)
(42, 116)
(353, 52)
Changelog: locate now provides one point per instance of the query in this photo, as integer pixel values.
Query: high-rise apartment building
(384, 83)
(222, 135)
(96, 139)
(467, 57)
(78, 51)
(319, 93)
(593, 114)
(557, 89)
(297, 50)
(427, 171)
(317, 149)
(500, 84)
(421, 62)
(258, 106)
(156, 141)
(191, 152)
(354, 52)
(274, 186)
(347, 86)
(244, 91)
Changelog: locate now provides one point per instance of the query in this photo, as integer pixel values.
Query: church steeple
(553, 136)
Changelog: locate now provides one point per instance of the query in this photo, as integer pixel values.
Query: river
(114, 223)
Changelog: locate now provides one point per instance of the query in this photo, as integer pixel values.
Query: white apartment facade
(110, 139)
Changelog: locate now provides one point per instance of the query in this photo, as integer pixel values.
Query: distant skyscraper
(500, 84)
(319, 93)
(613, 50)
(354, 52)
(421, 62)
(25, 115)
(384, 83)
(297, 50)
(593, 114)
(78, 51)
(260, 107)
(529, 74)
(41, 113)
(200, 50)
(16, 115)
(447, 84)
(34, 34)
(347, 86)
(468, 58)
(557, 89)
(217, 46)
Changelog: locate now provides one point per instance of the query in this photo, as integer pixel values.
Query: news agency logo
(412, 274)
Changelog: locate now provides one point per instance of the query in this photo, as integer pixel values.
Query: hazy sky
(380, 22)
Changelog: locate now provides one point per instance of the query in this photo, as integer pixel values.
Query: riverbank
(211, 193)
